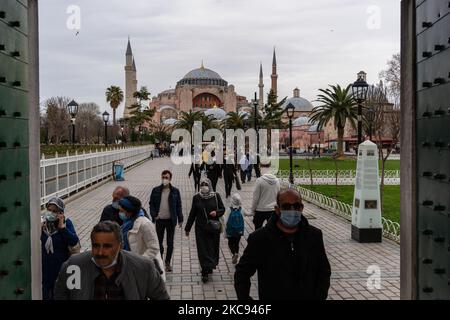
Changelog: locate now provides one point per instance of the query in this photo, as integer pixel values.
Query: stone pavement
(349, 260)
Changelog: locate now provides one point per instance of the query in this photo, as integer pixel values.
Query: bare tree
(385, 125)
(57, 119)
(391, 76)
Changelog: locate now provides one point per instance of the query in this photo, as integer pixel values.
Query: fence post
(57, 173)
(77, 179)
(43, 179)
(68, 172)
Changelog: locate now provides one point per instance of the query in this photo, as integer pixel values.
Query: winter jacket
(143, 240)
(138, 278)
(111, 214)
(175, 208)
(52, 262)
(265, 193)
(288, 268)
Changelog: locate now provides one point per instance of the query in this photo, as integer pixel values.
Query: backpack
(235, 223)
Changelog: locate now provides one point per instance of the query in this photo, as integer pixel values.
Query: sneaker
(235, 258)
(168, 267)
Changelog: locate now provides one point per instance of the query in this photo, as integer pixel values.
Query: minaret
(261, 88)
(274, 75)
(130, 81)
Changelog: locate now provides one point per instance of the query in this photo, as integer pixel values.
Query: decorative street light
(105, 116)
(72, 108)
(255, 106)
(359, 89)
(370, 116)
(290, 113)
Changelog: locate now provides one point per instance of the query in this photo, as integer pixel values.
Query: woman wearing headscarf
(138, 232)
(58, 241)
(207, 208)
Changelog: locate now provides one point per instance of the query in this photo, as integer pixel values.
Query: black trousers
(214, 182)
(260, 217)
(161, 226)
(243, 175)
(233, 244)
(228, 184)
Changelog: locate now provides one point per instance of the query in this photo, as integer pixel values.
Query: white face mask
(112, 264)
(165, 182)
(204, 189)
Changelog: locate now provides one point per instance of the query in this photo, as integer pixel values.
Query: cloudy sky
(318, 43)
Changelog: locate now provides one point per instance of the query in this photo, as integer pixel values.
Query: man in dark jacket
(111, 211)
(165, 209)
(288, 254)
(108, 272)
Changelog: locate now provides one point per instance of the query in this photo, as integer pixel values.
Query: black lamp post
(72, 108)
(255, 106)
(359, 89)
(370, 116)
(105, 116)
(290, 113)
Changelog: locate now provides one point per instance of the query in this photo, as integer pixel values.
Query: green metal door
(15, 261)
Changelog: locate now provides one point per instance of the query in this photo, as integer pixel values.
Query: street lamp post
(72, 108)
(359, 89)
(290, 113)
(105, 116)
(255, 106)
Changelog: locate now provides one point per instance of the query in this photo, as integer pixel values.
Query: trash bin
(118, 171)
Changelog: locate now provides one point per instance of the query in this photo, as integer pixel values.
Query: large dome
(203, 77)
(202, 73)
(300, 104)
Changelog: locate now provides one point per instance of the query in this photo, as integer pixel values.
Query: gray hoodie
(265, 193)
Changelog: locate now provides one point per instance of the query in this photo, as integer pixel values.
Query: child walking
(235, 226)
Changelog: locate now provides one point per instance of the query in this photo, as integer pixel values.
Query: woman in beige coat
(139, 233)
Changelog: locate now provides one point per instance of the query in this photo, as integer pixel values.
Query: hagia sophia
(203, 89)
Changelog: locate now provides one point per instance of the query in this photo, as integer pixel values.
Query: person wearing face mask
(111, 211)
(213, 170)
(288, 254)
(206, 205)
(57, 237)
(166, 210)
(107, 272)
(138, 232)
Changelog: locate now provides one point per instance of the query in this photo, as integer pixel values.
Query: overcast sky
(318, 43)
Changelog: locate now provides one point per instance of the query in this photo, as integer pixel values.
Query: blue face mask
(123, 216)
(290, 218)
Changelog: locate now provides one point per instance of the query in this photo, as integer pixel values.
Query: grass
(328, 164)
(391, 198)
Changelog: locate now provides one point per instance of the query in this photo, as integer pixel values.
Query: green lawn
(328, 164)
(391, 206)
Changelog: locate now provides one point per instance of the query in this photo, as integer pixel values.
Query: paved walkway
(349, 260)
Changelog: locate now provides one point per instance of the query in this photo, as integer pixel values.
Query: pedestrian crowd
(129, 259)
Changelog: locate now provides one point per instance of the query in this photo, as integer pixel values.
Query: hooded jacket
(289, 267)
(265, 193)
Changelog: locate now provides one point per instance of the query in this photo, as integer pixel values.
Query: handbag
(213, 226)
(75, 249)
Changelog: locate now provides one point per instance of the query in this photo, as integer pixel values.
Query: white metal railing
(346, 177)
(63, 176)
(391, 229)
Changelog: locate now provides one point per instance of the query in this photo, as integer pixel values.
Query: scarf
(49, 232)
(126, 227)
(210, 193)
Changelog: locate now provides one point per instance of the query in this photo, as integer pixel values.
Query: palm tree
(339, 106)
(235, 121)
(114, 95)
(187, 119)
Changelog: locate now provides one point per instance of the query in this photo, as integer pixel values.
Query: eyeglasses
(291, 206)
